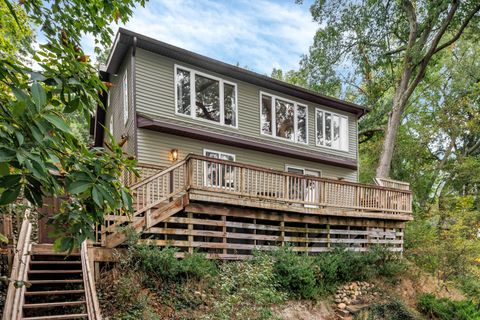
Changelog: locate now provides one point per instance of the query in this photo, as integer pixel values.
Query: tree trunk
(394, 119)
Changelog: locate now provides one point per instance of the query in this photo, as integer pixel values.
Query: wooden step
(53, 292)
(53, 304)
(53, 271)
(55, 281)
(54, 262)
(47, 249)
(59, 317)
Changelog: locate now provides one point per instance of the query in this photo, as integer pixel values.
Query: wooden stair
(56, 286)
(152, 216)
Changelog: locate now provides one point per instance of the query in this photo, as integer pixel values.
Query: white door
(219, 175)
(312, 189)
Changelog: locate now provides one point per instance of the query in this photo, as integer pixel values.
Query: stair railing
(15, 294)
(93, 308)
(150, 192)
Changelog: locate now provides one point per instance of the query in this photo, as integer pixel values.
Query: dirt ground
(306, 310)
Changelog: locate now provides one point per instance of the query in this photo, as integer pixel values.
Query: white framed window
(125, 97)
(331, 130)
(283, 118)
(205, 97)
(219, 175)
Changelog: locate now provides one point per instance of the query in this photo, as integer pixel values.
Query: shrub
(161, 263)
(295, 273)
(246, 290)
(196, 265)
(446, 309)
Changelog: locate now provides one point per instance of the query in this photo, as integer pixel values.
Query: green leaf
(7, 155)
(38, 94)
(57, 122)
(37, 76)
(20, 137)
(10, 195)
(79, 186)
(4, 169)
(3, 238)
(97, 197)
(10, 180)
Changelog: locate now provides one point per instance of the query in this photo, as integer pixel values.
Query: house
(232, 160)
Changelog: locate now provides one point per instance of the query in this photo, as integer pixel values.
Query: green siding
(115, 108)
(154, 148)
(156, 95)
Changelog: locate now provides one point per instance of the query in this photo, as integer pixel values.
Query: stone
(341, 306)
(338, 300)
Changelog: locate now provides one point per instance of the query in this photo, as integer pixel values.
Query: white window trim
(331, 133)
(193, 105)
(274, 123)
(320, 174)
(125, 97)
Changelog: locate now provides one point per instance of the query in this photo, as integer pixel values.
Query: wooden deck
(228, 209)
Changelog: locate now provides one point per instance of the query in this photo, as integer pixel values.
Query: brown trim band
(171, 128)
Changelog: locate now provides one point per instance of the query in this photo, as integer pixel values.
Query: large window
(331, 130)
(125, 97)
(284, 119)
(213, 99)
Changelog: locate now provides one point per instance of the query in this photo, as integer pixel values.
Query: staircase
(46, 285)
(155, 199)
(56, 286)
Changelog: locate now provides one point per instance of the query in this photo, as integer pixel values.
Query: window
(332, 130)
(213, 99)
(282, 118)
(125, 98)
(219, 175)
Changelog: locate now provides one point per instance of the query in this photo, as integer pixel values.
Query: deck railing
(245, 180)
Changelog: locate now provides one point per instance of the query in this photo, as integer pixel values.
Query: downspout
(134, 95)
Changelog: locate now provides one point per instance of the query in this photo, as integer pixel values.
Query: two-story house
(232, 160)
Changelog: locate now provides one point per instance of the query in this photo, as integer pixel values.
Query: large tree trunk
(394, 118)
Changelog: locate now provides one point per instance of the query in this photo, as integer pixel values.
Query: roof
(126, 38)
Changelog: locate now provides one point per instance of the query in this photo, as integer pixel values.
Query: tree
(389, 45)
(40, 155)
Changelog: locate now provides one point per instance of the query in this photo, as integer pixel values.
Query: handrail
(291, 174)
(390, 183)
(14, 301)
(93, 308)
(156, 175)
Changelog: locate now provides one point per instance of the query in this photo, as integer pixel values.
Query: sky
(257, 34)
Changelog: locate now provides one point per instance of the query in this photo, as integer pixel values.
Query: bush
(161, 263)
(246, 290)
(296, 274)
(446, 309)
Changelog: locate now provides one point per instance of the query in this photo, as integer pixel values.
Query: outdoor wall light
(174, 154)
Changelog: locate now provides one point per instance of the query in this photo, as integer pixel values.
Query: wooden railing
(14, 301)
(93, 308)
(244, 180)
(149, 193)
(389, 183)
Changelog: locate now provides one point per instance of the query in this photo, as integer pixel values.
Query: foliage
(446, 309)
(391, 310)
(246, 290)
(41, 153)
(161, 263)
(296, 274)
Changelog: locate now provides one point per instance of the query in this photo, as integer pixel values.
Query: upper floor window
(125, 97)
(282, 118)
(332, 130)
(213, 99)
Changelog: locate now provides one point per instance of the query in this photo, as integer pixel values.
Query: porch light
(174, 154)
